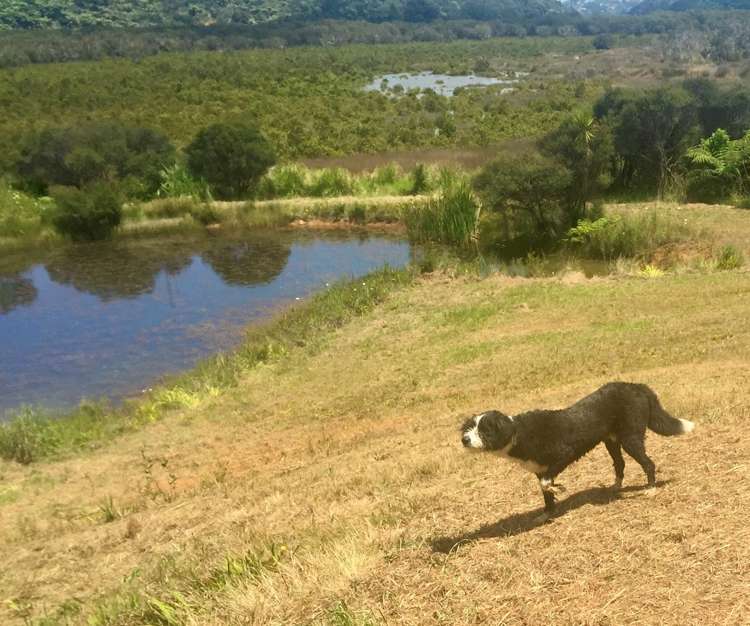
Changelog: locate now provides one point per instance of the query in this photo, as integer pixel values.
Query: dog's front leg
(548, 491)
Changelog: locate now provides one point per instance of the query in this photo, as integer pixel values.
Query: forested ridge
(35, 14)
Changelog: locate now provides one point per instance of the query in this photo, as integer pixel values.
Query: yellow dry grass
(340, 473)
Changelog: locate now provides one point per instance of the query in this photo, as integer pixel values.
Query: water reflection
(15, 292)
(109, 319)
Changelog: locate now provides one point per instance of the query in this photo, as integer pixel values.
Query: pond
(442, 84)
(109, 319)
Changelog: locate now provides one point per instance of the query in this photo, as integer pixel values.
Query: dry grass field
(330, 486)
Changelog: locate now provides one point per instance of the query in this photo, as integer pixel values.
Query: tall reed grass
(451, 218)
(296, 181)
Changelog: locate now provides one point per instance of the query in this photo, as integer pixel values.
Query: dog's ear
(468, 424)
(496, 429)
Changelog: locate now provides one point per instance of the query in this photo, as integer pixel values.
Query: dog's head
(491, 430)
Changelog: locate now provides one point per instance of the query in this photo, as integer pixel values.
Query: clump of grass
(341, 615)
(729, 258)
(185, 586)
(611, 237)
(109, 511)
(452, 218)
(176, 182)
(32, 434)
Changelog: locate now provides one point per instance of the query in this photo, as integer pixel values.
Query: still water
(442, 84)
(107, 320)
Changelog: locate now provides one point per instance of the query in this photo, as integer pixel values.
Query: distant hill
(602, 7)
(650, 6)
(41, 14)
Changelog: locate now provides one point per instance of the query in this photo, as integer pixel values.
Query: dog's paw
(650, 491)
(617, 485)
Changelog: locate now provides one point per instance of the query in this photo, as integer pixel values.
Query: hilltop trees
(104, 151)
(231, 157)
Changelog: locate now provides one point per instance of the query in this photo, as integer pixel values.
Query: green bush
(86, 214)
(20, 214)
(419, 184)
(89, 152)
(611, 237)
(232, 158)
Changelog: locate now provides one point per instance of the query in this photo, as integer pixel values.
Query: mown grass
(33, 435)
(347, 455)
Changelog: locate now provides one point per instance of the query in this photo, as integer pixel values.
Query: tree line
(689, 142)
(718, 36)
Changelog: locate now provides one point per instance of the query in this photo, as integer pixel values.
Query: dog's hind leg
(633, 445)
(613, 447)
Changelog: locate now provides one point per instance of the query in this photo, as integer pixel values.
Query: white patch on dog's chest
(526, 464)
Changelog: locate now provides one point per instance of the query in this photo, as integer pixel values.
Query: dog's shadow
(519, 523)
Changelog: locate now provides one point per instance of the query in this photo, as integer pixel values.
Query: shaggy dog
(546, 442)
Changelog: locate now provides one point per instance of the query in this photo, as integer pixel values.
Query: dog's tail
(662, 422)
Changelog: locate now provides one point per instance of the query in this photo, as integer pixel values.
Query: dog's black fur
(546, 442)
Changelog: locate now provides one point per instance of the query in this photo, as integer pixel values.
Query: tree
(531, 195)
(230, 157)
(651, 133)
(584, 145)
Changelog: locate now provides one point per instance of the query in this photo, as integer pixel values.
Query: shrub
(610, 237)
(230, 157)
(78, 156)
(86, 214)
(420, 183)
(20, 214)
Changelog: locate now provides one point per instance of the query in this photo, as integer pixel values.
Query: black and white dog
(546, 442)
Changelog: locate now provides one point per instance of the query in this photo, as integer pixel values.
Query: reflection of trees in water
(247, 262)
(118, 269)
(15, 292)
(127, 269)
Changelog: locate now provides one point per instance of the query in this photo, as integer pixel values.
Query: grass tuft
(452, 218)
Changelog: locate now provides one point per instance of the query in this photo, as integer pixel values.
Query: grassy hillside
(26, 14)
(329, 486)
